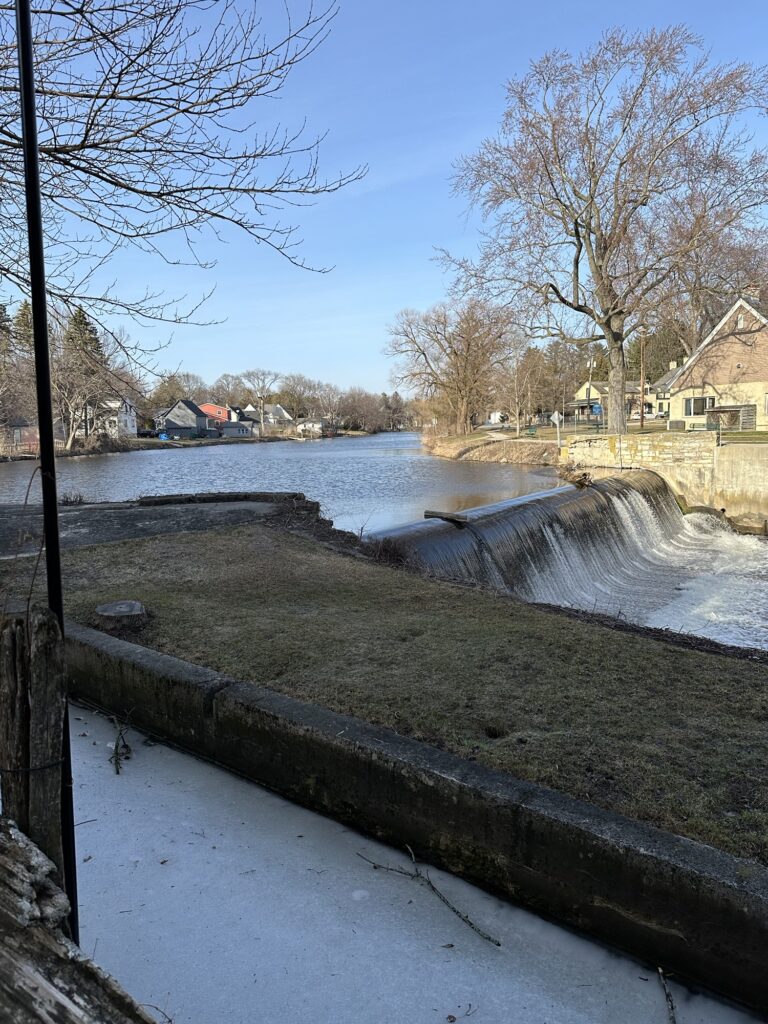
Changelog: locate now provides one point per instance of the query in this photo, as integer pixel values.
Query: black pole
(44, 411)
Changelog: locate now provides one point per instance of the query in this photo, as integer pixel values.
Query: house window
(740, 322)
(698, 406)
(766, 405)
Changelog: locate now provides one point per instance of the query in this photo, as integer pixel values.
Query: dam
(620, 547)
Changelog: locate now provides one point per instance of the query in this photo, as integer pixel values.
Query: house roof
(752, 306)
(666, 380)
(188, 404)
(242, 416)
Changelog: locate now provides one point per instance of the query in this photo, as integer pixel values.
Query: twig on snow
(671, 1015)
(121, 751)
(422, 876)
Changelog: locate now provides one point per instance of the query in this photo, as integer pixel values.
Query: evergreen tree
(5, 337)
(21, 329)
(81, 342)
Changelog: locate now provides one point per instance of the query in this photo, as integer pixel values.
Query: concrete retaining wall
(668, 900)
(733, 477)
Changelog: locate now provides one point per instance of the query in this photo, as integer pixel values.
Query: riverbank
(670, 736)
(490, 448)
(141, 444)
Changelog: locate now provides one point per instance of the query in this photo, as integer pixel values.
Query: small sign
(597, 410)
(556, 418)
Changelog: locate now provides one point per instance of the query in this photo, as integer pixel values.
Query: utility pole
(642, 378)
(24, 41)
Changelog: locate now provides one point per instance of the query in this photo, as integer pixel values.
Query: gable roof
(188, 404)
(714, 334)
(666, 380)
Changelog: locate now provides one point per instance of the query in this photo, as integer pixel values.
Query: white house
(118, 417)
(274, 415)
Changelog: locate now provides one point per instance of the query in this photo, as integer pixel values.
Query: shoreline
(152, 444)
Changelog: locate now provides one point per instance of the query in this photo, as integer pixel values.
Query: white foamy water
(620, 547)
(703, 579)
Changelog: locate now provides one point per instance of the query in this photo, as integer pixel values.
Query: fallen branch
(421, 876)
(671, 1016)
(122, 750)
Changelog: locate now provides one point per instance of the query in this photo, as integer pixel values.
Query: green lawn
(668, 735)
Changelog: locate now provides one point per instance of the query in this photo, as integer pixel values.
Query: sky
(406, 88)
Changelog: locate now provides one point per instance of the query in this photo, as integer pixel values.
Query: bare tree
(363, 410)
(517, 380)
(450, 352)
(228, 389)
(259, 385)
(297, 393)
(152, 131)
(609, 172)
(730, 263)
(173, 386)
(330, 399)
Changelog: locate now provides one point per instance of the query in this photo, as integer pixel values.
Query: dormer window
(740, 322)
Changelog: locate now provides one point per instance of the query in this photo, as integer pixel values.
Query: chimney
(673, 365)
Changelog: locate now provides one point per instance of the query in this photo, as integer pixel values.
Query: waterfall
(620, 546)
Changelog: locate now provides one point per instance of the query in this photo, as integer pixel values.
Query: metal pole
(642, 379)
(44, 409)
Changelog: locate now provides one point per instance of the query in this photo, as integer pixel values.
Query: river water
(368, 483)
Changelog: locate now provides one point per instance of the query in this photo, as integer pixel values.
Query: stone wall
(740, 482)
(733, 477)
(693, 909)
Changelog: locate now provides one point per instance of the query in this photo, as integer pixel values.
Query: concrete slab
(21, 529)
(214, 900)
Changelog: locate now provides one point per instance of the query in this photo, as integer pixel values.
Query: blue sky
(406, 87)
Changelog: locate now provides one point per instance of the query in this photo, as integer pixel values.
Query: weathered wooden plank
(14, 721)
(449, 517)
(43, 977)
(46, 730)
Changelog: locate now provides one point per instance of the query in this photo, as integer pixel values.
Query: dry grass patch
(670, 736)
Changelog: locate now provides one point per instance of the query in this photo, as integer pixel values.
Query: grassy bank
(671, 736)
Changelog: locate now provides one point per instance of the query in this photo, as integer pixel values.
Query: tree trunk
(261, 417)
(463, 425)
(617, 379)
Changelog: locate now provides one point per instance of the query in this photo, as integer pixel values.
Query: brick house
(725, 381)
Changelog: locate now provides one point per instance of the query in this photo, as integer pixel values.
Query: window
(740, 322)
(766, 405)
(698, 406)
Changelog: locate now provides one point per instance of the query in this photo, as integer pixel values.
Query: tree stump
(121, 616)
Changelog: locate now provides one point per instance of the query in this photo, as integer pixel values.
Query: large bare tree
(154, 130)
(611, 170)
(450, 352)
(259, 385)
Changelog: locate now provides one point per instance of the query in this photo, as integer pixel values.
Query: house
(592, 399)
(117, 417)
(244, 420)
(238, 428)
(662, 388)
(22, 435)
(274, 415)
(312, 426)
(725, 381)
(217, 414)
(184, 419)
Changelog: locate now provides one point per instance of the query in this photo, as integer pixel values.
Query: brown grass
(671, 736)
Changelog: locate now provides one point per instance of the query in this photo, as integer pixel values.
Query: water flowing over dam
(620, 546)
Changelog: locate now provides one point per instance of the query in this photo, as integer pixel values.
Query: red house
(217, 414)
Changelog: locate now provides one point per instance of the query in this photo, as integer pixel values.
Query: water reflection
(368, 483)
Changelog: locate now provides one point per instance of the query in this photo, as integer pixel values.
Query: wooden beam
(457, 518)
